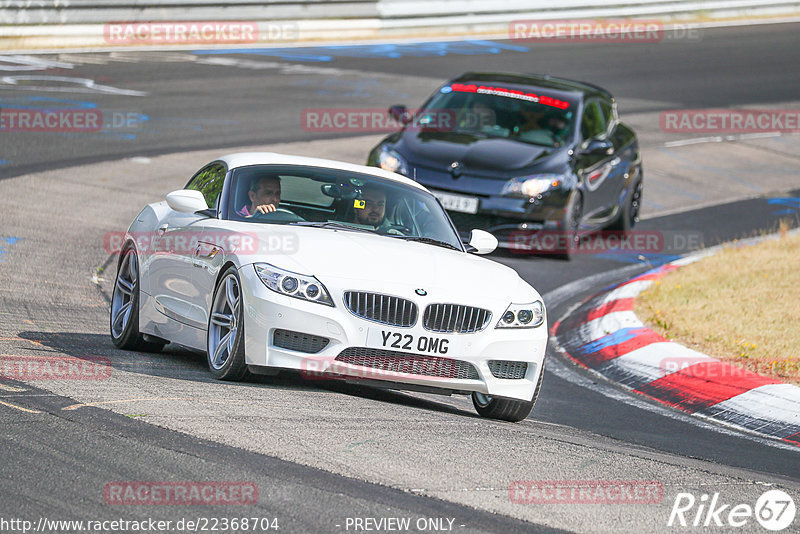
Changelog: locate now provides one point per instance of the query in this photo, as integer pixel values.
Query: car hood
(358, 260)
(439, 149)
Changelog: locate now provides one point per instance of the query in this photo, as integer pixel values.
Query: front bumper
(511, 220)
(266, 311)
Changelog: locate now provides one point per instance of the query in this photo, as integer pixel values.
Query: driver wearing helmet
(264, 194)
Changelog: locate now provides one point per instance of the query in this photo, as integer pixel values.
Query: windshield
(504, 113)
(341, 200)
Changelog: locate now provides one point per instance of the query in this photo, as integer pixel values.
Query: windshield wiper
(331, 225)
(430, 241)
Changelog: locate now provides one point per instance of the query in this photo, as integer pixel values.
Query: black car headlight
(291, 284)
(531, 186)
(522, 316)
(390, 160)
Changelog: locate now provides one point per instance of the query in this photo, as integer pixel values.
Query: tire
(571, 226)
(506, 409)
(629, 213)
(225, 338)
(124, 315)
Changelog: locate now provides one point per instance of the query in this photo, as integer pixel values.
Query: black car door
(598, 164)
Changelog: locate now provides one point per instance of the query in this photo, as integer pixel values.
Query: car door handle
(162, 229)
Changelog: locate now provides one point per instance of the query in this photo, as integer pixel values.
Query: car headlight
(291, 284)
(390, 160)
(531, 186)
(522, 316)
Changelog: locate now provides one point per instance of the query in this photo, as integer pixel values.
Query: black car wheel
(573, 214)
(629, 212)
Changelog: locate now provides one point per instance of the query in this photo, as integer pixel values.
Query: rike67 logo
(774, 510)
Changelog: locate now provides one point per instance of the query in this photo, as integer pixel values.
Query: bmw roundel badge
(421, 292)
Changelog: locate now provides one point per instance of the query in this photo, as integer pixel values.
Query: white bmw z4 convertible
(268, 262)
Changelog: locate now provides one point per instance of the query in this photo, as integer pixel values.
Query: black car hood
(437, 150)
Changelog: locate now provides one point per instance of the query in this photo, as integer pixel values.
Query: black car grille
(508, 369)
(414, 364)
(455, 318)
(309, 343)
(384, 309)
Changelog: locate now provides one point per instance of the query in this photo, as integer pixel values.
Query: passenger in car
(264, 194)
(371, 208)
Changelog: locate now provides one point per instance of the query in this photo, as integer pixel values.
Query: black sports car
(521, 156)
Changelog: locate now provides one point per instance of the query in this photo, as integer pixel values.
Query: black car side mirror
(598, 147)
(400, 113)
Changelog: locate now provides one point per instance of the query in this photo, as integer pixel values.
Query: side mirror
(482, 242)
(400, 113)
(598, 147)
(186, 201)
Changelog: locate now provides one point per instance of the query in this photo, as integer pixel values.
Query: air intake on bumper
(414, 364)
(508, 369)
(286, 339)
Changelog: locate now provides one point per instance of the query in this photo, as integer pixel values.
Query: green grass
(741, 305)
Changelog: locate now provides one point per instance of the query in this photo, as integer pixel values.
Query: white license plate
(460, 203)
(388, 339)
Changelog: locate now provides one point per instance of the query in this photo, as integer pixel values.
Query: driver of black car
(264, 194)
(534, 119)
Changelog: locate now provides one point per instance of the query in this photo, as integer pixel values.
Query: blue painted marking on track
(633, 257)
(7, 241)
(785, 201)
(45, 103)
(101, 133)
(283, 53)
(620, 336)
(320, 54)
(790, 205)
(4, 162)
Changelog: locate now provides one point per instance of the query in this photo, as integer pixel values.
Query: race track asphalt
(323, 452)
